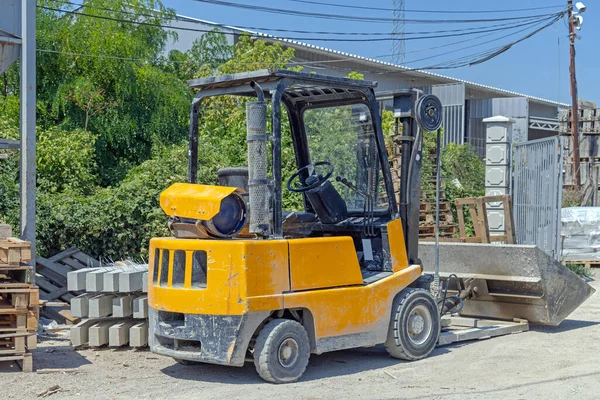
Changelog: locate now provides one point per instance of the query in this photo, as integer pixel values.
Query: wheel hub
(288, 352)
(420, 324)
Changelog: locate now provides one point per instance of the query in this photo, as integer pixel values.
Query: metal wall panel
(512, 107)
(10, 32)
(516, 108)
(452, 97)
(537, 193)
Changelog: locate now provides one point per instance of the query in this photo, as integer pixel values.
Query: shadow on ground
(565, 326)
(337, 363)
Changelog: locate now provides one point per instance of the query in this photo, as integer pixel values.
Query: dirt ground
(546, 362)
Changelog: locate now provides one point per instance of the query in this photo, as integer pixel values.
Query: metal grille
(256, 125)
(537, 194)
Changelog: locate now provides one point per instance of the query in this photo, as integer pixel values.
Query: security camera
(580, 7)
(577, 22)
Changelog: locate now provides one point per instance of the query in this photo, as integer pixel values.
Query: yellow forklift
(243, 278)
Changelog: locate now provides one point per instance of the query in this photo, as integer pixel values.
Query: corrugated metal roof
(375, 62)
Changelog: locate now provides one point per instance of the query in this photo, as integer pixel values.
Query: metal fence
(537, 193)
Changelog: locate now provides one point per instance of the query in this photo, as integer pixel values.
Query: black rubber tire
(185, 362)
(266, 351)
(398, 343)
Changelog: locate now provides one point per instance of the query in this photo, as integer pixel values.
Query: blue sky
(531, 67)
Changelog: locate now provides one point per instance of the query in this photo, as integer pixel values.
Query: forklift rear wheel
(281, 351)
(415, 326)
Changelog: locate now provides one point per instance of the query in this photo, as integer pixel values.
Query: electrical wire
(472, 59)
(468, 47)
(321, 3)
(284, 37)
(330, 16)
(160, 13)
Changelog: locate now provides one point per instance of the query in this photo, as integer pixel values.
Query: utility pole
(398, 27)
(28, 121)
(575, 106)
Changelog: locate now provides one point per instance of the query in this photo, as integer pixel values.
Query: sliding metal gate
(537, 193)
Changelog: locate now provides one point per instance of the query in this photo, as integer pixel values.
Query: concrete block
(495, 191)
(140, 307)
(131, 281)
(145, 282)
(101, 305)
(98, 333)
(80, 305)
(94, 280)
(497, 176)
(76, 279)
(118, 334)
(5, 231)
(80, 333)
(497, 154)
(111, 281)
(138, 334)
(496, 220)
(122, 306)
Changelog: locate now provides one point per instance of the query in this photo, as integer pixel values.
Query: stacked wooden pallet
(589, 145)
(114, 306)
(19, 304)
(427, 213)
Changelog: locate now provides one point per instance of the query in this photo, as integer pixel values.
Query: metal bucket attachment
(512, 281)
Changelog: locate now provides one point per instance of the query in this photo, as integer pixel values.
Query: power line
(258, 34)
(471, 46)
(321, 3)
(158, 13)
(468, 60)
(353, 18)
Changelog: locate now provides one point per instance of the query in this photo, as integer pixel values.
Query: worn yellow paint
(355, 309)
(323, 262)
(242, 275)
(397, 246)
(318, 274)
(189, 200)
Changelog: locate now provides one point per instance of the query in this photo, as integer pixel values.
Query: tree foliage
(113, 121)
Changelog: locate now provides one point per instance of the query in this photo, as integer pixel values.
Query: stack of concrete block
(580, 234)
(497, 175)
(114, 306)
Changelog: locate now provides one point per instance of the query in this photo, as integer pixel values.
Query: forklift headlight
(231, 217)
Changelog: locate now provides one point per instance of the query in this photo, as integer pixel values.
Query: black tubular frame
(280, 86)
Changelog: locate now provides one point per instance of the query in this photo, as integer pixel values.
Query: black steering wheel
(313, 181)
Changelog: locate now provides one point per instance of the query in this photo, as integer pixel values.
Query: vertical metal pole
(438, 179)
(575, 106)
(28, 120)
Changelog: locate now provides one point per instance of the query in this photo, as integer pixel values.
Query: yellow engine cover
(188, 200)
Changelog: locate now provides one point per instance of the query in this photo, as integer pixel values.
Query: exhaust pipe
(258, 183)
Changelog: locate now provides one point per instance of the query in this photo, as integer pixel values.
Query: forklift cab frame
(298, 92)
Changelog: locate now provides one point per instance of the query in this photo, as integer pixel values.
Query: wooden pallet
(429, 218)
(430, 207)
(445, 230)
(52, 273)
(24, 361)
(460, 329)
(14, 251)
(587, 264)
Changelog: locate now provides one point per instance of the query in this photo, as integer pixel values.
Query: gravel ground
(546, 362)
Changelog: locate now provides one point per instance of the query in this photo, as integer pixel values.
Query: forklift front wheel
(415, 326)
(281, 351)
